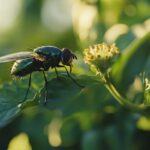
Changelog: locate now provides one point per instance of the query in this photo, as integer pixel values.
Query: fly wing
(16, 56)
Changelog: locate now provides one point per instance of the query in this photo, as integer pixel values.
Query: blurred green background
(96, 121)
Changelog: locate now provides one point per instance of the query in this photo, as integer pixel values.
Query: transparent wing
(16, 56)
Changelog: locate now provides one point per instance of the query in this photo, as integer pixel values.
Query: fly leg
(46, 89)
(70, 68)
(57, 74)
(29, 85)
(81, 86)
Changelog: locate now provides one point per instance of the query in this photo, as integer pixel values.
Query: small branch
(120, 99)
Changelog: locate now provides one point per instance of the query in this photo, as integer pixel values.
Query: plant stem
(119, 98)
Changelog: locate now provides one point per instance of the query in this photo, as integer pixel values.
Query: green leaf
(66, 96)
(10, 97)
(70, 132)
(63, 95)
(132, 62)
(93, 140)
(124, 40)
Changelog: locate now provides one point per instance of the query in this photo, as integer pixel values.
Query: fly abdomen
(23, 67)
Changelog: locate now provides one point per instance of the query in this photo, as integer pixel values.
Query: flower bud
(101, 56)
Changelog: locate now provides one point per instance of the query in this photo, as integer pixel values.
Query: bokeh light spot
(54, 137)
(114, 32)
(20, 142)
(9, 11)
(56, 15)
(144, 123)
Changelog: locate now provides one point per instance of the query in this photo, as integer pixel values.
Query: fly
(41, 59)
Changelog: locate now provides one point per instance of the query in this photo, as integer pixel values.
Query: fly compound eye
(67, 57)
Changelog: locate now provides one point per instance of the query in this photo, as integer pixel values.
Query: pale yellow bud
(101, 56)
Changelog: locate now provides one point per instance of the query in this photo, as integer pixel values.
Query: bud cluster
(101, 56)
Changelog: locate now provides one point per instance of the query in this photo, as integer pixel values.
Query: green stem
(119, 98)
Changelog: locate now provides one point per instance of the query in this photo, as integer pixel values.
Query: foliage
(111, 110)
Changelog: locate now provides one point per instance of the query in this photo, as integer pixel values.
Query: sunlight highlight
(141, 30)
(20, 142)
(9, 11)
(144, 123)
(115, 31)
(83, 18)
(54, 137)
(56, 15)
